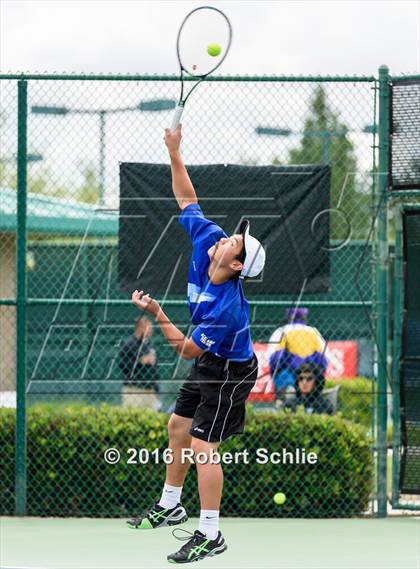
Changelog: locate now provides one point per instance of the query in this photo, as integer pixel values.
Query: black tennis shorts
(214, 396)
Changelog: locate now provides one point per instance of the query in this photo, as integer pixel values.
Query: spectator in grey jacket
(138, 362)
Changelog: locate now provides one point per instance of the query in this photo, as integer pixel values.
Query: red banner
(263, 389)
(342, 359)
(342, 363)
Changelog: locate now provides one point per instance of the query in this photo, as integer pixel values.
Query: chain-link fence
(81, 334)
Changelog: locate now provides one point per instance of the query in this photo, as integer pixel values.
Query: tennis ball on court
(279, 498)
(214, 49)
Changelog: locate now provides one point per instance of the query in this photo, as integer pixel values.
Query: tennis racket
(204, 29)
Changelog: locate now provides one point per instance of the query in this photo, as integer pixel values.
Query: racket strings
(202, 28)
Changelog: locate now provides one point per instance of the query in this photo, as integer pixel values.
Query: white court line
(22, 567)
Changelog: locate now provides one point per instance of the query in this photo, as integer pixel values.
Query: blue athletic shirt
(220, 311)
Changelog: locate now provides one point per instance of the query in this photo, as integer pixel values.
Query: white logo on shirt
(195, 268)
(206, 341)
(196, 296)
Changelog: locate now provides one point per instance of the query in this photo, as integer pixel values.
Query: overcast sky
(277, 37)
(336, 37)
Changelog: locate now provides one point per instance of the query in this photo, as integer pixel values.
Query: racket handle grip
(177, 117)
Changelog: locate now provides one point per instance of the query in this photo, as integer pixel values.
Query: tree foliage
(325, 140)
(89, 190)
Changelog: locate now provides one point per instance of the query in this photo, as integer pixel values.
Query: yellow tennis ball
(214, 49)
(279, 498)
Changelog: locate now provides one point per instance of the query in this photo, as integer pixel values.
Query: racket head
(200, 28)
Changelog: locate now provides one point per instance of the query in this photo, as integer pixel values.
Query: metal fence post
(382, 291)
(20, 460)
(396, 353)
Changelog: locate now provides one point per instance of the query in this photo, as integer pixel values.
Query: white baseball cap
(254, 253)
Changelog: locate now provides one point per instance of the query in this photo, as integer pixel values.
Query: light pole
(102, 117)
(34, 157)
(325, 135)
(144, 106)
(31, 157)
(270, 131)
(370, 129)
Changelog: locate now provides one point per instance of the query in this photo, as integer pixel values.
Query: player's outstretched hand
(173, 138)
(145, 302)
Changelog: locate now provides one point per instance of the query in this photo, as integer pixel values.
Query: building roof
(57, 216)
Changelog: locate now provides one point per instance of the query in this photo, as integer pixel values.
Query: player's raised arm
(181, 184)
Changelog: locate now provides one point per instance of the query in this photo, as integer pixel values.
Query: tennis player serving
(210, 406)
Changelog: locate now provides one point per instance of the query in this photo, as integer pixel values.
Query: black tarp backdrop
(280, 202)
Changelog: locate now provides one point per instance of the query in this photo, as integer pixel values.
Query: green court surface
(252, 543)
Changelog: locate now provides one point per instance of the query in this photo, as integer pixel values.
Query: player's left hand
(145, 302)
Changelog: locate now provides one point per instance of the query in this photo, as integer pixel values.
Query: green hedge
(67, 475)
(354, 399)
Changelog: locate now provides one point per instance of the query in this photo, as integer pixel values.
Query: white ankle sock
(209, 523)
(171, 496)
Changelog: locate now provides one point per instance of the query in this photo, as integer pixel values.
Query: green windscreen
(410, 359)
